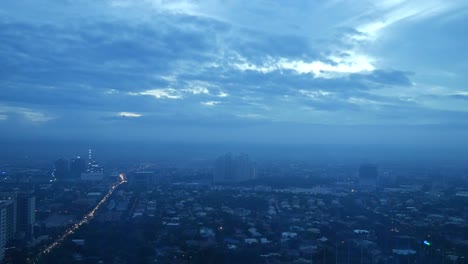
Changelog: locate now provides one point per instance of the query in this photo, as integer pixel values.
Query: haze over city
(208, 131)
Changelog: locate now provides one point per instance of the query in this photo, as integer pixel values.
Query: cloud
(197, 87)
(129, 114)
(31, 115)
(315, 94)
(395, 11)
(210, 103)
(337, 65)
(222, 94)
(311, 62)
(37, 116)
(385, 77)
(168, 93)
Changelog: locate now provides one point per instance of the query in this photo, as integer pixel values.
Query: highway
(71, 230)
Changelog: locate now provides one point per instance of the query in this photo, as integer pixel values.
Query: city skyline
(235, 131)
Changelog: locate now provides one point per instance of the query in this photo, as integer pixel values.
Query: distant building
(142, 178)
(21, 213)
(90, 157)
(233, 168)
(61, 169)
(149, 177)
(26, 213)
(77, 167)
(11, 218)
(7, 224)
(3, 230)
(92, 176)
(368, 176)
(94, 171)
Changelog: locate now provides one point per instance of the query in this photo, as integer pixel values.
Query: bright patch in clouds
(351, 63)
(315, 94)
(222, 94)
(37, 116)
(197, 90)
(210, 103)
(168, 93)
(29, 114)
(171, 93)
(345, 64)
(129, 114)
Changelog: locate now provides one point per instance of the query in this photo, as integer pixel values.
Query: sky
(301, 71)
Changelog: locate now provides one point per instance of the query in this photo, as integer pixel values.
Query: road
(57, 242)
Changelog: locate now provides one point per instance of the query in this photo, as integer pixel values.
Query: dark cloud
(383, 77)
(257, 45)
(459, 96)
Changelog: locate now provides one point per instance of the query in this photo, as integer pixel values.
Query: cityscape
(231, 211)
(233, 132)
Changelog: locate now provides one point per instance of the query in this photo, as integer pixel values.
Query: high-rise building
(11, 218)
(26, 213)
(94, 171)
(93, 165)
(61, 169)
(233, 168)
(368, 176)
(7, 224)
(77, 167)
(3, 230)
(90, 157)
(20, 209)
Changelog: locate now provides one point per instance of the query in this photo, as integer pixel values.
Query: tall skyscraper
(21, 213)
(94, 172)
(61, 169)
(7, 224)
(93, 165)
(3, 230)
(77, 167)
(11, 218)
(90, 157)
(368, 176)
(233, 168)
(26, 213)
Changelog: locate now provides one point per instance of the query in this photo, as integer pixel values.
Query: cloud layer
(199, 70)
